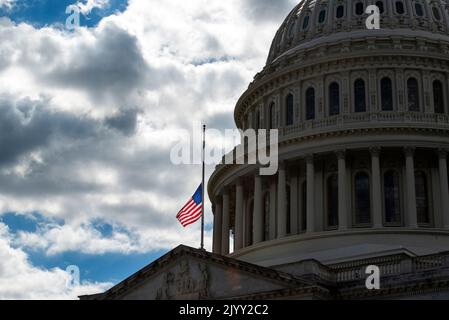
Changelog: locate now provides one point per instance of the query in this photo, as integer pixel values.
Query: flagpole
(203, 186)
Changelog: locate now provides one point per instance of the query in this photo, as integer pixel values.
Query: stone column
(225, 224)
(258, 229)
(239, 215)
(444, 188)
(282, 205)
(411, 187)
(310, 194)
(376, 188)
(217, 226)
(342, 204)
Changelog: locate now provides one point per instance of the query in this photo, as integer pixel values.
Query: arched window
(334, 99)
(291, 30)
(380, 5)
(288, 208)
(249, 224)
(266, 203)
(289, 110)
(362, 198)
(340, 12)
(310, 104)
(422, 197)
(322, 16)
(413, 94)
(359, 8)
(332, 201)
(400, 7)
(359, 96)
(272, 118)
(392, 202)
(386, 92)
(304, 207)
(257, 120)
(305, 23)
(419, 9)
(436, 13)
(438, 96)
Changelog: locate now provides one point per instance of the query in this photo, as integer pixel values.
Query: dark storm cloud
(27, 126)
(268, 10)
(110, 65)
(124, 122)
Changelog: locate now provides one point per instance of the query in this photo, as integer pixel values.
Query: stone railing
(389, 266)
(367, 120)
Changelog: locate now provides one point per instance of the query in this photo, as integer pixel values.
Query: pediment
(190, 274)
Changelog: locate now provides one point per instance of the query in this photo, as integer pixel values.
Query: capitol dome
(330, 21)
(363, 120)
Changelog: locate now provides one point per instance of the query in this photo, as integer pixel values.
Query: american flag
(192, 211)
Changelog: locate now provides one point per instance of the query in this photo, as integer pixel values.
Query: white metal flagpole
(203, 187)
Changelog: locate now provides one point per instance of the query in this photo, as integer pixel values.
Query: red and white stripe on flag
(192, 211)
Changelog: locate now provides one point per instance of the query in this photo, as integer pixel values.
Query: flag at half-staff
(193, 210)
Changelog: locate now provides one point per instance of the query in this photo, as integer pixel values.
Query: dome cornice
(418, 53)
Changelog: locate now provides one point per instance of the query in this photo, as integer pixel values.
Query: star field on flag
(192, 211)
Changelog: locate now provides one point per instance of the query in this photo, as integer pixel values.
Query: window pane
(289, 225)
(392, 197)
(359, 8)
(362, 199)
(305, 23)
(322, 16)
(386, 94)
(422, 197)
(249, 223)
(400, 7)
(304, 206)
(360, 96)
(310, 104)
(413, 94)
(380, 5)
(267, 216)
(332, 201)
(257, 120)
(272, 116)
(438, 96)
(436, 13)
(289, 110)
(334, 99)
(419, 10)
(340, 12)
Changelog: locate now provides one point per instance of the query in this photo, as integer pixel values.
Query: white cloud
(19, 279)
(7, 4)
(87, 6)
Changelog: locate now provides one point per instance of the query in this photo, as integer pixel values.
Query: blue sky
(109, 267)
(51, 12)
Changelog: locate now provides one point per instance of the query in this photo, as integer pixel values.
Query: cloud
(262, 10)
(7, 4)
(19, 279)
(88, 119)
(89, 5)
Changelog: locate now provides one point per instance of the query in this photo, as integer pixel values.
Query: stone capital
(409, 151)
(341, 154)
(442, 153)
(310, 158)
(375, 151)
